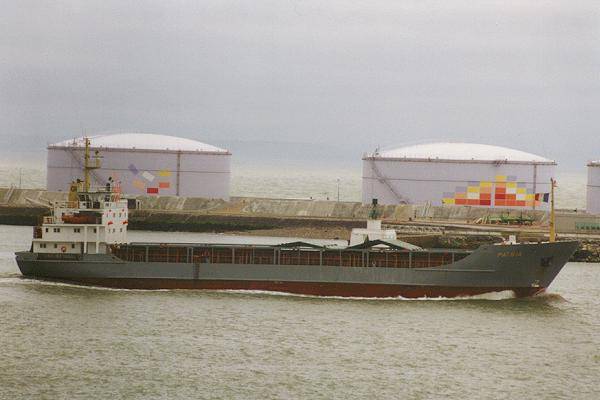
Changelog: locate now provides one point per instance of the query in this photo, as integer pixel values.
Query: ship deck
(297, 253)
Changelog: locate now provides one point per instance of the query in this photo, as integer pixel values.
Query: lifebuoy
(63, 248)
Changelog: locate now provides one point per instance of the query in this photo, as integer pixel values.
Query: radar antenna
(373, 212)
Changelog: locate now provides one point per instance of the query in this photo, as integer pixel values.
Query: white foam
(40, 282)
(503, 295)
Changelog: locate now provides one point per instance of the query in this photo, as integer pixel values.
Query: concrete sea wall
(19, 199)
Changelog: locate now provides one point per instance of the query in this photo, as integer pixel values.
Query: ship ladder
(385, 181)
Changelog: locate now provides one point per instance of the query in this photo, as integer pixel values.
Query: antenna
(373, 213)
(87, 167)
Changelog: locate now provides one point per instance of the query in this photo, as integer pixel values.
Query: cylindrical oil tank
(458, 174)
(593, 188)
(144, 164)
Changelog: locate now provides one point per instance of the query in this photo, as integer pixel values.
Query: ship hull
(525, 269)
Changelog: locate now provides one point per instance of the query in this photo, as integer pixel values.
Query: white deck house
(86, 225)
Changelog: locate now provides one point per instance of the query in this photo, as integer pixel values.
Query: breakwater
(255, 206)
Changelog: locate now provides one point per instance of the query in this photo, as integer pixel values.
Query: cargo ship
(84, 241)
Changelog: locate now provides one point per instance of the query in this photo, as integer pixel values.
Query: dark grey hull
(524, 268)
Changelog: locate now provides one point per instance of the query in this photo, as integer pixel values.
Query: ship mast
(552, 215)
(87, 167)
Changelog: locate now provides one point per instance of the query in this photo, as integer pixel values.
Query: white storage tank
(593, 188)
(458, 174)
(145, 164)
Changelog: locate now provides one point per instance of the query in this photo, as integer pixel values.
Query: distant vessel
(84, 242)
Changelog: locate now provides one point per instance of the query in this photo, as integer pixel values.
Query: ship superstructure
(89, 222)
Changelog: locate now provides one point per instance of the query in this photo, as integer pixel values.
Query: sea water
(60, 341)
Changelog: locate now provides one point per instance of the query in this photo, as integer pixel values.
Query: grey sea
(60, 341)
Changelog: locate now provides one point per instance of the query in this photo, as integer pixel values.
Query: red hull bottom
(310, 288)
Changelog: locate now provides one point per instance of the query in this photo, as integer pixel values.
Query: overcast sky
(357, 74)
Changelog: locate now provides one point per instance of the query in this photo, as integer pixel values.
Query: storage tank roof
(594, 163)
(461, 152)
(141, 141)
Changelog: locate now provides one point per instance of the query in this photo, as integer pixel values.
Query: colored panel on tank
(507, 193)
(152, 190)
(164, 173)
(133, 169)
(148, 176)
(138, 184)
(164, 185)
